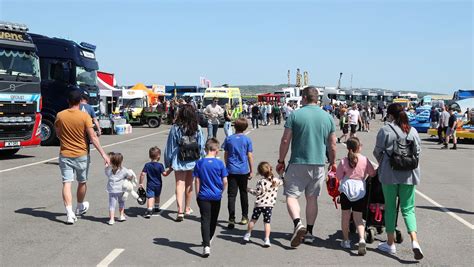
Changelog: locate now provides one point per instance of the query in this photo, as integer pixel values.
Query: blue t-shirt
(210, 172)
(237, 147)
(88, 109)
(153, 172)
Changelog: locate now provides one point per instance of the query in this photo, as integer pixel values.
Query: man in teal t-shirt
(311, 132)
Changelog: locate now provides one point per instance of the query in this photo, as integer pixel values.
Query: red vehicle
(20, 91)
(269, 98)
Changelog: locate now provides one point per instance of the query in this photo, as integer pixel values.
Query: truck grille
(16, 131)
(8, 108)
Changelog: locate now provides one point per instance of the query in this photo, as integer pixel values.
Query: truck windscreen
(15, 63)
(86, 77)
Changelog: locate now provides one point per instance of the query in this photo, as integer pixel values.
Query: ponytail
(353, 145)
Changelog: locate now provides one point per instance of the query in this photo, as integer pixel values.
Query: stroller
(373, 214)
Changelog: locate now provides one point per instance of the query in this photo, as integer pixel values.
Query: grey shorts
(301, 178)
(78, 166)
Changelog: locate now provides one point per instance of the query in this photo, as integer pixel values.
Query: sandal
(180, 217)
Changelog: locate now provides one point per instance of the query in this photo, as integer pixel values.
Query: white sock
(80, 205)
(69, 210)
(414, 244)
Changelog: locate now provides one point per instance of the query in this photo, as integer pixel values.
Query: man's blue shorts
(153, 191)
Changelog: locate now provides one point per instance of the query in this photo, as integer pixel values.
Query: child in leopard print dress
(266, 193)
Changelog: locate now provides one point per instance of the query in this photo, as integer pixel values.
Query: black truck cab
(65, 66)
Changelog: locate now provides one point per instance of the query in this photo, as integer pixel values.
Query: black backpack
(404, 156)
(189, 149)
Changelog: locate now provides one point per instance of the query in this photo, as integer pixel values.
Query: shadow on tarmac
(186, 247)
(236, 235)
(53, 216)
(455, 210)
(16, 156)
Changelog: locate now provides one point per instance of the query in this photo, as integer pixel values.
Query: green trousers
(406, 193)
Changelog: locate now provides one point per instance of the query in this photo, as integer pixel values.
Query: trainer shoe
(387, 248)
(244, 221)
(247, 237)
(308, 239)
(417, 250)
(111, 222)
(231, 224)
(267, 243)
(82, 209)
(157, 210)
(298, 234)
(346, 244)
(122, 218)
(71, 219)
(362, 248)
(148, 213)
(206, 251)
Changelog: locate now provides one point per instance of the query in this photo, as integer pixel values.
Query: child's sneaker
(71, 219)
(231, 224)
(111, 222)
(346, 244)
(362, 248)
(417, 250)
(267, 243)
(247, 237)
(387, 248)
(206, 251)
(122, 218)
(148, 213)
(82, 209)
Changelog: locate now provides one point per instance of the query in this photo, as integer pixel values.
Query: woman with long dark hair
(397, 183)
(184, 147)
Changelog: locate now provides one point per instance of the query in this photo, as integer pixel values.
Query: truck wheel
(153, 122)
(8, 152)
(48, 133)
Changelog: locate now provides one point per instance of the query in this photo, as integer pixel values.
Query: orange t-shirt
(72, 125)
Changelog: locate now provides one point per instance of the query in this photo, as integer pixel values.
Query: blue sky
(400, 45)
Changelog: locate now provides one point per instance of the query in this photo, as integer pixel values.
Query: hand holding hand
(280, 168)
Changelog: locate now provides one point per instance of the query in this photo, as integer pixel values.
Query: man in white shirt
(354, 117)
(269, 113)
(213, 111)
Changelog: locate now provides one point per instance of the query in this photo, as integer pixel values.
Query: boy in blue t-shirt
(211, 180)
(153, 171)
(239, 161)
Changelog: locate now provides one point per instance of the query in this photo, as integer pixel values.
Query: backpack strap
(393, 129)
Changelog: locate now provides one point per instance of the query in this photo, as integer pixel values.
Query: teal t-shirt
(310, 126)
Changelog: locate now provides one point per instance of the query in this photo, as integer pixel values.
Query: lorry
(20, 93)
(65, 66)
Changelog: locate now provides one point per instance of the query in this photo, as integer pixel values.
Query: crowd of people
(309, 135)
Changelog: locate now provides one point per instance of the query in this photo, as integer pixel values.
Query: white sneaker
(267, 243)
(362, 248)
(308, 239)
(247, 237)
(82, 209)
(417, 250)
(122, 218)
(346, 244)
(206, 251)
(298, 234)
(111, 222)
(387, 248)
(71, 219)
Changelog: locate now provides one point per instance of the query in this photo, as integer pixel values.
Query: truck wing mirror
(65, 67)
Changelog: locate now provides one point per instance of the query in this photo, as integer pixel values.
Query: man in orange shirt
(73, 128)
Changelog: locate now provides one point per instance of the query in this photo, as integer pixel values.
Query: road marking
(55, 158)
(168, 203)
(452, 214)
(111, 257)
(442, 208)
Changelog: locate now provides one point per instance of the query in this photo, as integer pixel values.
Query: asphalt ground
(33, 231)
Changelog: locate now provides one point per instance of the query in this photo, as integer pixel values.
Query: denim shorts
(71, 166)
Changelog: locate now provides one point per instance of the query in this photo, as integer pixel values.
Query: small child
(352, 172)
(153, 171)
(116, 174)
(266, 192)
(211, 180)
